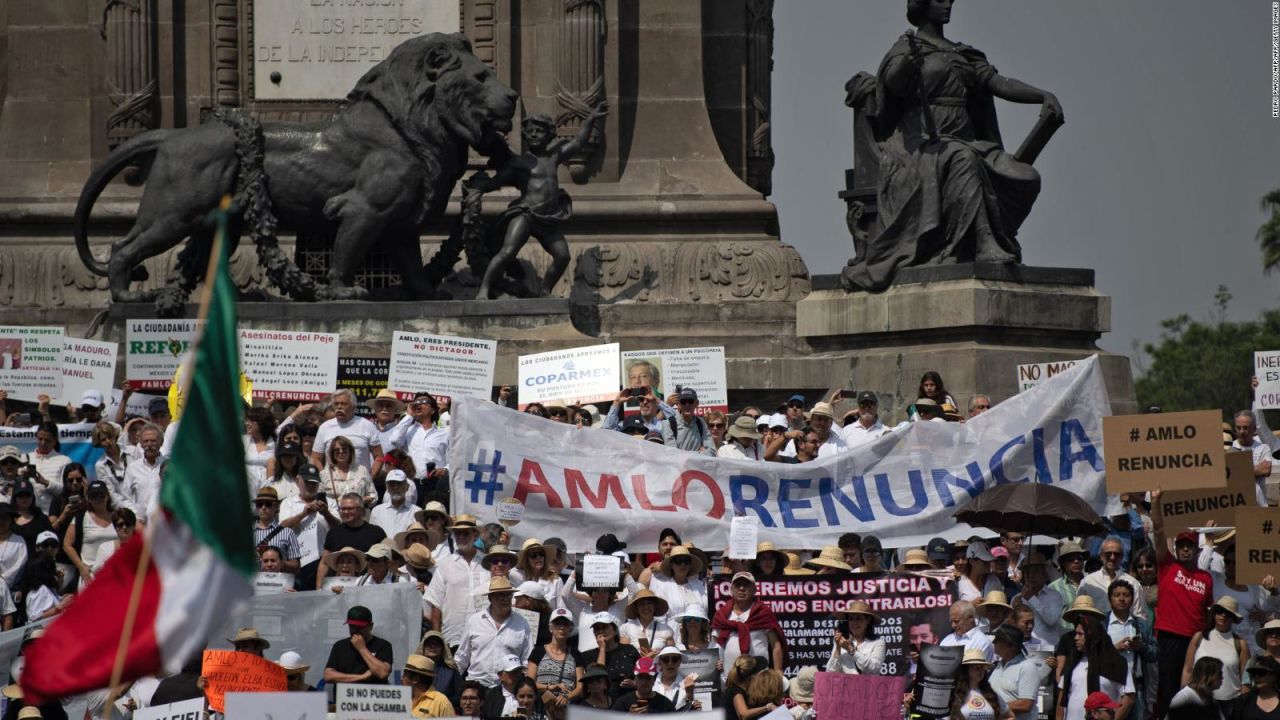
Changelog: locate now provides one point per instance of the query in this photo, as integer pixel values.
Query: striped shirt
(286, 540)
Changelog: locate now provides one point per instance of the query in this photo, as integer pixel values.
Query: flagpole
(144, 557)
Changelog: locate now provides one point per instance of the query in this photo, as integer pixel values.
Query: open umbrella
(1032, 507)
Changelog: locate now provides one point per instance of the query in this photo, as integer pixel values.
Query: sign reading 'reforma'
(1172, 451)
(318, 49)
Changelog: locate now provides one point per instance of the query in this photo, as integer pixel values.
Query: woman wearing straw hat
(677, 581)
(993, 611)
(448, 680)
(346, 563)
(770, 562)
(973, 697)
(643, 630)
(857, 650)
(795, 566)
(830, 560)
(1222, 643)
(535, 563)
(378, 566)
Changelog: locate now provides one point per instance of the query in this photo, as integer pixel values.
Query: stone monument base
(974, 323)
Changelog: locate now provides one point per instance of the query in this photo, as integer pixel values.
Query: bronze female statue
(948, 191)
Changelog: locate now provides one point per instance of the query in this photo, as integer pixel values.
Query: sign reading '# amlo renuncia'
(318, 49)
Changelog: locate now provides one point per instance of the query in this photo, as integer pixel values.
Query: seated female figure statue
(948, 191)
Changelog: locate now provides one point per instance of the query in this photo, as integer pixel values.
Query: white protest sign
(306, 705)
(579, 375)
(1033, 374)
(265, 583)
(87, 365)
(701, 368)
(1266, 366)
(373, 702)
(139, 404)
(192, 709)
(744, 532)
(290, 366)
(509, 512)
(441, 365)
(600, 571)
(533, 617)
(153, 350)
(334, 581)
(31, 362)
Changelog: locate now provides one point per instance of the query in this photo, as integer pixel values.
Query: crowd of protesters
(1143, 621)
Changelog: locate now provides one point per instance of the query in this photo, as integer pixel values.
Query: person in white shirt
(387, 411)
(965, 631)
(867, 428)
(857, 650)
(456, 589)
(419, 436)
(13, 549)
(395, 515)
(1093, 653)
(1045, 602)
(362, 433)
(821, 419)
(141, 488)
(492, 634)
(1246, 427)
(643, 630)
(673, 684)
(744, 441)
(1095, 584)
(310, 517)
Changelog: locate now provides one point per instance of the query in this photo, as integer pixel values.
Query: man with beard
(310, 517)
(868, 426)
(395, 515)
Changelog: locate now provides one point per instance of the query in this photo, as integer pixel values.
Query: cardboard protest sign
(442, 365)
(290, 366)
(285, 705)
(154, 349)
(186, 710)
(1257, 544)
(1266, 366)
(702, 369)
(702, 663)
(913, 609)
(564, 377)
(364, 377)
(230, 671)
(31, 362)
(1195, 508)
(87, 365)
(373, 702)
(1033, 374)
(837, 696)
(1173, 451)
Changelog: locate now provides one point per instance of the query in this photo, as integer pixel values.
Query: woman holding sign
(857, 650)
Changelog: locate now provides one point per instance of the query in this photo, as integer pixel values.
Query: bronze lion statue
(382, 167)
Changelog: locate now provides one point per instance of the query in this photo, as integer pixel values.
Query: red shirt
(1185, 597)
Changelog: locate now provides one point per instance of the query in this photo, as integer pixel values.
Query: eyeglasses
(537, 555)
(795, 405)
(669, 659)
(263, 503)
(123, 526)
(688, 402)
(1112, 553)
(340, 450)
(1144, 566)
(716, 426)
(682, 561)
(500, 561)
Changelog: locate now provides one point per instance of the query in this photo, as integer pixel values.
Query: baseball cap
(96, 486)
(999, 551)
(309, 473)
(654, 436)
(979, 551)
(762, 422)
(23, 487)
(560, 614)
(688, 393)
(397, 476)
(1099, 700)
(796, 398)
(646, 666)
(634, 425)
(9, 452)
(744, 575)
(1187, 536)
(157, 405)
(510, 663)
(778, 420)
(604, 618)
(91, 398)
(359, 616)
(938, 549)
(609, 543)
(868, 396)
(289, 448)
(46, 536)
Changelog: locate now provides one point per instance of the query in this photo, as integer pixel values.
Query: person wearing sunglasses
(268, 531)
(1223, 644)
(673, 684)
(1095, 584)
(687, 431)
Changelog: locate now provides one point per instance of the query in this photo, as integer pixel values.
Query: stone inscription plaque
(318, 49)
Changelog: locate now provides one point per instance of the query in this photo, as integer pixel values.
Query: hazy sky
(1153, 182)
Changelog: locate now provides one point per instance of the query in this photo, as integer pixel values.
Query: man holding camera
(309, 514)
(652, 410)
(362, 657)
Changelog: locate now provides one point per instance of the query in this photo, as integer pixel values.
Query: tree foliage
(1269, 233)
(1198, 365)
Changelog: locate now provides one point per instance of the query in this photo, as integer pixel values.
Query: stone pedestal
(973, 323)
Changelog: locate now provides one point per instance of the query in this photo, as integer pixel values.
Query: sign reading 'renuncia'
(1173, 451)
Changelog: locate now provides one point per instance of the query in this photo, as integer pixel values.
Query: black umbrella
(1032, 507)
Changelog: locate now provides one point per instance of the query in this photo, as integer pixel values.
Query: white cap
(531, 589)
(778, 420)
(669, 650)
(46, 536)
(604, 618)
(92, 398)
(622, 555)
(560, 614)
(509, 663)
(290, 660)
(695, 612)
(762, 421)
(397, 475)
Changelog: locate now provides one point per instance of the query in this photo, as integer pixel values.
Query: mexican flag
(192, 567)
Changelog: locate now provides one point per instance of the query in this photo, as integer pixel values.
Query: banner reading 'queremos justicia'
(580, 484)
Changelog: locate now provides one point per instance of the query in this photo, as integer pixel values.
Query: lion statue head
(432, 84)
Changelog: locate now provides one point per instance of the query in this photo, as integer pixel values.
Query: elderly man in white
(965, 631)
(362, 433)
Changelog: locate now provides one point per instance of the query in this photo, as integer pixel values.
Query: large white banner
(700, 368)
(566, 377)
(31, 362)
(441, 365)
(290, 366)
(903, 488)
